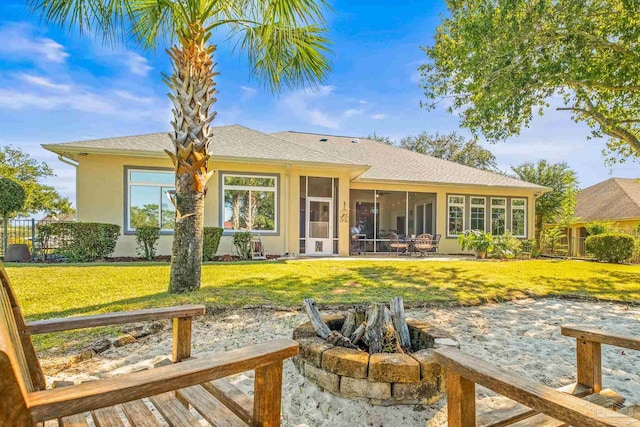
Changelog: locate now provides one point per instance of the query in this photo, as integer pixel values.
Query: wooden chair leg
(461, 401)
(181, 339)
(267, 396)
(589, 364)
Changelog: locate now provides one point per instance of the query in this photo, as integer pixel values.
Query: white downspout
(75, 164)
(286, 209)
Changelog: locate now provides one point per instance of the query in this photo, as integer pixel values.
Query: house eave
(537, 189)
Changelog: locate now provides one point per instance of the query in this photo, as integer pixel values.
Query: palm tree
(284, 41)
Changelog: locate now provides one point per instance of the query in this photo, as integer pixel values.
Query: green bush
(611, 247)
(242, 243)
(595, 228)
(507, 246)
(210, 243)
(147, 237)
(80, 241)
(476, 240)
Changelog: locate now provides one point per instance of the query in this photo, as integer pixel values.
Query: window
(519, 217)
(250, 202)
(455, 215)
(478, 213)
(148, 203)
(498, 216)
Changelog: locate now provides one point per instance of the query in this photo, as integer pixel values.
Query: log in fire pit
(373, 354)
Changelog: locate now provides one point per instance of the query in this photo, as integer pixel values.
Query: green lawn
(69, 290)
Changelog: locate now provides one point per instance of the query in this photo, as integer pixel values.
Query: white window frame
(483, 205)
(461, 205)
(503, 207)
(273, 189)
(131, 183)
(521, 208)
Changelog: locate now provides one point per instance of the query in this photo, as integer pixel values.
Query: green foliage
(285, 42)
(498, 62)
(21, 167)
(556, 206)
(12, 197)
(611, 247)
(598, 227)
(211, 241)
(451, 146)
(147, 237)
(530, 246)
(242, 243)
(81, 241)
(507, 246)
(476, 240)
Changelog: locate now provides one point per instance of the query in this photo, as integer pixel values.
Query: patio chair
(582, 404)
(435, 245)
(424, 244)
(400, 245)
(170, 390)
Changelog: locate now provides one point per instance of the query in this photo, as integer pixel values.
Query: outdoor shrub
(595, 228)
(611, 247)
(476, 240)
(81, 241)
(529, 246)
(210, 243)
(242, 243)
(636, 252)
(147, 237)
(507, 246)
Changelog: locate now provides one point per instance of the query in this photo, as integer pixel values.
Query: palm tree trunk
(192, 93)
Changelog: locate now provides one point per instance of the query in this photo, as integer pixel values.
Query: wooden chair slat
(23, 344)
(232, 397)
(173, 411)
(210, 408)
(78, 420)
(7, 321)
(139, 415)
(107, 417)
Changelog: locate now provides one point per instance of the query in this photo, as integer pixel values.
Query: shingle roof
(615, 198)
(233, 141)
(397, 164)
(378, 161)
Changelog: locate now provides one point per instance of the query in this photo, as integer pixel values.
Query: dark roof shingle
(613, 199)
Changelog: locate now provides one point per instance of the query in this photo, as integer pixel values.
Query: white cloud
(304, 105)
(43, 82)
(18, 42)
(129, 96)
(248, 92)
(137, 64)
(378, 116)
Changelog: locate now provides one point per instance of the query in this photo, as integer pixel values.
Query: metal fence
(574, 247)
(22, 231)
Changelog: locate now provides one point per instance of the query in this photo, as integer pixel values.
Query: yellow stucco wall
(627, 225)
(101, 192)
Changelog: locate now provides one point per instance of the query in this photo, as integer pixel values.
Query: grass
(46, 291)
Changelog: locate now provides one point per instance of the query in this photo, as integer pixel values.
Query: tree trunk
(357, 334)
(400, 323)
(4, 235)
(378, 327)
(192, 93)
(349, 324)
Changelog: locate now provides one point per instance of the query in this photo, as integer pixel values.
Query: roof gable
(613, 199)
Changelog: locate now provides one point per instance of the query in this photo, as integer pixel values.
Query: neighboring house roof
(229, 142)
(613, 199)
(390, 163)
(372, 160)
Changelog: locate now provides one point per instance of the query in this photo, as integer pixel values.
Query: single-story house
(616, 201)
(303, 193)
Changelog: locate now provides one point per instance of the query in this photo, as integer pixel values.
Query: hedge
(80, 241)
(147, 237)
(210, 243)
(611, 247)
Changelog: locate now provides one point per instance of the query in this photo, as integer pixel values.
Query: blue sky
(59, 87)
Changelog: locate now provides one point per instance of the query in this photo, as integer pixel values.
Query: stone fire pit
(381, 378)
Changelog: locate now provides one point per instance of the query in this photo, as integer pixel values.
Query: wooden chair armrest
(561, 406)
(117, 318)
(595, 334)
(48, 404)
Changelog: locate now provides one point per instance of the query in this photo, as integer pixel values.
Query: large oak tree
(284, 41)
(499, 62)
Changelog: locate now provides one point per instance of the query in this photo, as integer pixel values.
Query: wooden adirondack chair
(583, 404)
(24, 401)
